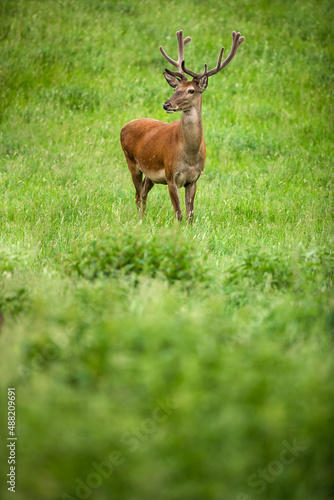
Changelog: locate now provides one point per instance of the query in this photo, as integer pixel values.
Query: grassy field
(151, 359)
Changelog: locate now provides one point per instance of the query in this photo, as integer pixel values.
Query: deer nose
(166, 105)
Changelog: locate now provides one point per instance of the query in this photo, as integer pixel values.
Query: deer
(173, 153)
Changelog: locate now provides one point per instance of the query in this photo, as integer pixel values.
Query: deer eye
(191, 91)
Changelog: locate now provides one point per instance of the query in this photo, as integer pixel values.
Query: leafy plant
(11, 262)
(261, 268)
(13, 302)
(167, 255)
(275, 269)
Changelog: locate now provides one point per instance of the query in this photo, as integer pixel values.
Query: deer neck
(191, 128)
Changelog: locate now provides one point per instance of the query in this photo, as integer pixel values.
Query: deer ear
(203, 83)
(172, 80)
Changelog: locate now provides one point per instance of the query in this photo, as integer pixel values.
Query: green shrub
(11, 262)
(166, 255)
(13, 295)
(277, 269)
(13, 302)
(261, 268)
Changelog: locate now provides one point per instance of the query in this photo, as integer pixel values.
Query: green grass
(153, 359)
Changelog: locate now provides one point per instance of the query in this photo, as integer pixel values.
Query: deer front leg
(190, 192)
(174, 196)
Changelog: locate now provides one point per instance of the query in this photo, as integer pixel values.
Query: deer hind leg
(137, 179)
(147, 186)
(190, 192)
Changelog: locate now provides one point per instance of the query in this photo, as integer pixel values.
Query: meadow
(153, 359)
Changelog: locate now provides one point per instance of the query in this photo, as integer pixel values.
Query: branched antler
(178, 64)
(237, 40)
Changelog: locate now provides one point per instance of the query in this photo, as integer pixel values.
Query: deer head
(188, 93)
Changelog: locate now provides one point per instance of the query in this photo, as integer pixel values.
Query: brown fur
(168, 153)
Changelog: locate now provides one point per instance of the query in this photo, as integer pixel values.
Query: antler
(237, 40)
(178, 64)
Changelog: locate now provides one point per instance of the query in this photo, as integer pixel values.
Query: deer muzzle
(166, 105)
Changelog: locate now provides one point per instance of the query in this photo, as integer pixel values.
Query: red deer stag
(173, 153)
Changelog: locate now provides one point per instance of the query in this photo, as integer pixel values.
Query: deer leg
(137, 181)
(137, 176)
(190, 192)
(174, 196)
(147, 186)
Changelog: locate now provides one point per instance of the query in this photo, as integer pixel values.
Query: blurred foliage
(11, 262)
(13, 292)
(13, 302)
